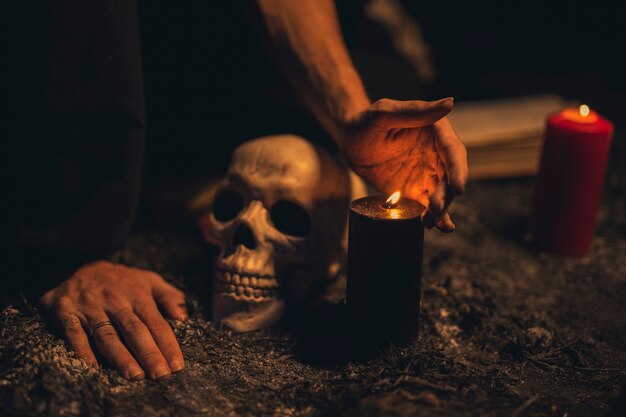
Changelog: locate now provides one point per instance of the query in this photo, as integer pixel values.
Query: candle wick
(392, 201)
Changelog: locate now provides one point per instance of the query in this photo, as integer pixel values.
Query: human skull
(279, 218)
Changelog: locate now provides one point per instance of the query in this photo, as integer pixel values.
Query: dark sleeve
(73, 122)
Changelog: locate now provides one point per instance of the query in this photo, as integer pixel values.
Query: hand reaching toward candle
(118, 308)
(409, 146)
(394, 145)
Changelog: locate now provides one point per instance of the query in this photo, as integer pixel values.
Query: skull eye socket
(227, 205)
(291, 219)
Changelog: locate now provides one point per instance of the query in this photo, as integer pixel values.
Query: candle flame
(584, 110)
(392, 200)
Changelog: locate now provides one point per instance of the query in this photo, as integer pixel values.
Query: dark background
(209, 85)
(207, 77)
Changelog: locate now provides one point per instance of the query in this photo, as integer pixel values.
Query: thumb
(410, 114)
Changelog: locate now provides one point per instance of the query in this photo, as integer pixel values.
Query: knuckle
(462, 150)
(126, 319)
(72, 330)
(176, 293)
(157, 325)
(72, 325)
(88, 297)
(105, 335)
(124, 314)
(101, 263)
(46, 299)
(417, 105)
(436, 206)
(127, 365)
(449, 147)
(133, 325)
(63, 303)
(153, 276)
(111, 297)
(129, 322)
(382, 103)
(152, 356)
(137, 295)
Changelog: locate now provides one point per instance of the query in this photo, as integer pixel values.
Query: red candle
(570, 181)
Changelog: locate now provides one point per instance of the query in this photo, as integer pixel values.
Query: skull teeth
(263, 283)
(245, 286)
(243, 291)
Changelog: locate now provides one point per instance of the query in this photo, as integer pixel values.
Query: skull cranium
(279, 218)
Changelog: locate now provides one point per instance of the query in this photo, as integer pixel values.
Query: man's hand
(409, 146)
(140, 341)
(393, 145)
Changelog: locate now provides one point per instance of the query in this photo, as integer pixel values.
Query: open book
(504, 137)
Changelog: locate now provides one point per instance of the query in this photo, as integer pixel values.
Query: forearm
(307, 43)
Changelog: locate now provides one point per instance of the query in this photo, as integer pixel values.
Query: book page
(497, 121)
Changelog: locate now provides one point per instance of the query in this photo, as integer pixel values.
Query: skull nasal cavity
(244, 236)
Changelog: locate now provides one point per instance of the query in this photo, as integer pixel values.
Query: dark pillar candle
(385, 270)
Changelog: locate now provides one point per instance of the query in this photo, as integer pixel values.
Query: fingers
(70, 324)
(454, 155)
(141, 343)
(437, 200)
(171, 300)
(78, 340)
(445, 224)
(409, 114)
(112, 349)
(162, 334)
(138, 341)
(437, 214)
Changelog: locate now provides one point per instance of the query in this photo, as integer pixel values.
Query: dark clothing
(76, 121)
(76, 117)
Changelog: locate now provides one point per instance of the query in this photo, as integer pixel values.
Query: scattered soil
(505, 330)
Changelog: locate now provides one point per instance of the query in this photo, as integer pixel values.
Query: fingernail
(446, 227)
(161, 372)
(137, 375)
(176, 365)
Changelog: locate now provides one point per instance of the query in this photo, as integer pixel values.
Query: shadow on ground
(505, 330)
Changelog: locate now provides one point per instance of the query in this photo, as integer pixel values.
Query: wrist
(352, 100)
(346, 105)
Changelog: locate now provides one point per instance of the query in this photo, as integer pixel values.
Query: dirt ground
(505, 330)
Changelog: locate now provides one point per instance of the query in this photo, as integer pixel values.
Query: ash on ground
(505, 330)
